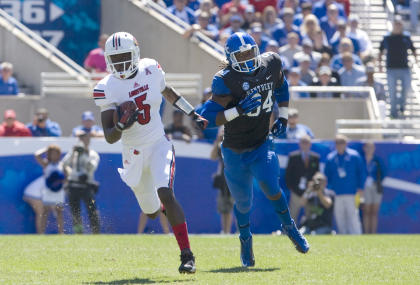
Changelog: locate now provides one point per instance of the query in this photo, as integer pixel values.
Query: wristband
(184, 106)
(231, 114)
(284, 112)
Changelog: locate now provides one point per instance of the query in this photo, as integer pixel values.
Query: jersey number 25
(144, 110)
(266, 106)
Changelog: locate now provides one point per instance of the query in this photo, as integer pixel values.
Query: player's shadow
(138, 281)
(238, 269)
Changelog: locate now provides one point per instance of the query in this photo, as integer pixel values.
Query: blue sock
(282, 210)
(243, 223)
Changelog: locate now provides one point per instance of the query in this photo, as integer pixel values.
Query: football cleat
(296, 237)
(247, 254)
(187, 262)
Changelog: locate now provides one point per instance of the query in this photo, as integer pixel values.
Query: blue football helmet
(242, 52)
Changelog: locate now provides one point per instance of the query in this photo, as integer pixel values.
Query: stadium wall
(119, 211)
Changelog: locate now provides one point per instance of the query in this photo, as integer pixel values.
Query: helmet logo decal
(245, 86)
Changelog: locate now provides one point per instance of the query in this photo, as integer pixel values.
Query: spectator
(177, 130)
(80, 165)
(52, 191)
(228, 9)
(204, 27)
(261, 40)
(373, 188)
(280, 33)
(236, 21)
(269, 19)
(309, 27)
(360, 35)
(301, 167)
(224, 199)
(249, 17)
(8, 84)
(95, 61)
(350, 73)
(319, 204)
(294, 130)
(208, 6)
(306, 8)
(306, 74)
(291, 48)
(293, 78)
(340, 35)
(307, 48)
(329, 23)
(346, 6)
(193, 4)
(397, 43)
(325, 79)
(370, 80)
(261, 4)
(223, 36)
(88, 126)
(183, 12)
(12, 127)
(161, 3)
(273, 46)
(414, 14)
(346, 175)
(344, 47)
(320, 44)
(320, 8)
(209, 134)
(42, 126)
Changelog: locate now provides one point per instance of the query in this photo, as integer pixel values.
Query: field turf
(154, 259)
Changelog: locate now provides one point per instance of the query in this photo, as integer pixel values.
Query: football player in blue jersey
(243, 98)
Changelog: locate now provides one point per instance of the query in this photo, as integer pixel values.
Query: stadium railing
(197, 36)
(53, 54)
(373, 107)
(379, 129)
(63, 84)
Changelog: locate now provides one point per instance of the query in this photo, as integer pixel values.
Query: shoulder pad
(218, 86)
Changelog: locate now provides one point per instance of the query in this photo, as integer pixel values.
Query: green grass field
(154, 259)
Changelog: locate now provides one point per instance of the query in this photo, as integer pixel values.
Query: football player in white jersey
(129, 98)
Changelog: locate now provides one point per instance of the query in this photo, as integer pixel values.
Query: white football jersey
(145, 90)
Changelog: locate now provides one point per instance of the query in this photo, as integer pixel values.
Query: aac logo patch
(245, 86)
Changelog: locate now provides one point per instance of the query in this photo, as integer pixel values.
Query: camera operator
(80, 165)
(318, 202)
(42, 126)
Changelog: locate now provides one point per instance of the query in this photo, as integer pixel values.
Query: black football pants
(85, 194)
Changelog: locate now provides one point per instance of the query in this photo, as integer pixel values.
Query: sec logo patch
(245, 86)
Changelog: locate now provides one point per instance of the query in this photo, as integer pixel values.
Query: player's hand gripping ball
(125, 115)
(279, 127)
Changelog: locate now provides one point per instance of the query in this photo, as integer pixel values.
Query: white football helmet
(122, 55)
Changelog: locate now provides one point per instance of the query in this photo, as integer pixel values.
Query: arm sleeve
(382, 45)
(160, 74)
(102, 99)
(209, 111)
(282, 94)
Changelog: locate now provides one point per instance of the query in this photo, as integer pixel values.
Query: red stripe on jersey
(98, 95)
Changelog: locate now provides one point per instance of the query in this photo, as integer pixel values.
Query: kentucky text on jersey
(260, 88)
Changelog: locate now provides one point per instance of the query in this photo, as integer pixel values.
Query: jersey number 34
(144, 110)
(266, 106)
